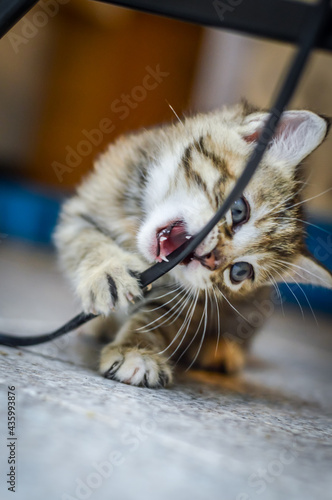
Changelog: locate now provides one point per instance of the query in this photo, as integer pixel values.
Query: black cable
(14, 341)
(311, 32)
(11, 11)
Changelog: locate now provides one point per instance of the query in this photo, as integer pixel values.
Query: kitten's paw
(228, 357)
(135, 366)
(233, 359)
(110, 285)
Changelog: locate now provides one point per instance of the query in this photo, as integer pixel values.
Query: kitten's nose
(211, 260)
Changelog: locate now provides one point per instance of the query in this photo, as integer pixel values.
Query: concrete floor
(263, 435)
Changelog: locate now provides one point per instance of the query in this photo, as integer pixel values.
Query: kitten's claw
(115, 366)
(130, 297)
(134, 366)
(163, 379)
(110, 285)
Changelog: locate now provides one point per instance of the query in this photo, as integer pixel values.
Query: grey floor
(263, 435)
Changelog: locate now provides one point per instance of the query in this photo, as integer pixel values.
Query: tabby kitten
(151, 191)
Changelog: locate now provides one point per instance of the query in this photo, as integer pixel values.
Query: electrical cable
(312, 29)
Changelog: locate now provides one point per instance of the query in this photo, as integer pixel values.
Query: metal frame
(11, 11)
(274, 19)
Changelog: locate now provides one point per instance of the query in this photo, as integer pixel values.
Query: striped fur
(107, 232)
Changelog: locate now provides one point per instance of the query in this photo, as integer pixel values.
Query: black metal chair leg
(11, 11)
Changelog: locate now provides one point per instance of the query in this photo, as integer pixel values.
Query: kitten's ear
(297, 135)
(307, 270)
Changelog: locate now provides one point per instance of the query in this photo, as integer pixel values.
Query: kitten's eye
(240, 212)
(241, 271)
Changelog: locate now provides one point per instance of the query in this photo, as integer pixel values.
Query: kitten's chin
(192, 275)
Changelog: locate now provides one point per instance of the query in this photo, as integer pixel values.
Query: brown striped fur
(197, 315)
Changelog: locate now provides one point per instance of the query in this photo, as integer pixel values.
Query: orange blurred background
(75, 74)
(88, 65)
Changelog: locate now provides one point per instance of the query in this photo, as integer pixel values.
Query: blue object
(31, 213)
(28, 212)
(319, 243)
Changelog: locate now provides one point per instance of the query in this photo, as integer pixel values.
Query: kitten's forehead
(195, 173)
(219, 135)
(274, 226)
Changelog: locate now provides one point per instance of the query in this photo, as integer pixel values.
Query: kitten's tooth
(130, 297)
(188, 237)
(164, 258)
(162, 238)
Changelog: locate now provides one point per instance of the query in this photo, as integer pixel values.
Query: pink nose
(210, 260)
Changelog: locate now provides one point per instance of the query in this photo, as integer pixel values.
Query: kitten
(151, 191)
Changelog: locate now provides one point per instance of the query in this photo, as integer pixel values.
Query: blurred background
(75, 77)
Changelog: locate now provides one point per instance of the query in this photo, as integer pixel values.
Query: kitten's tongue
(170, 238)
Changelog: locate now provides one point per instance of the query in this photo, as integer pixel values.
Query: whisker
(309, 199)
(182, 308)
(203, 334)
(306, 271)
(285, 201)
(305, 295)
(161, 296)
(276, 287)
(231, 305)
(192, 340)
(177, 310)
(187, 320)
(294, 295)
(218, 319)
(166, 313)
(157, 288)
(173, 110)
(304, 222)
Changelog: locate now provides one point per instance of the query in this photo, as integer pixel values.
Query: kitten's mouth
(171, 237)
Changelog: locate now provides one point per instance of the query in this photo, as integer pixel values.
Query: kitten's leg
(103, 274)
(236, 332)
(134, 356)
(105, 277)
(96, 234)
(138, 356)
(143, 348)
(226, 356)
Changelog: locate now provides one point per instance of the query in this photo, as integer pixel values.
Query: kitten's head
(261, 239)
